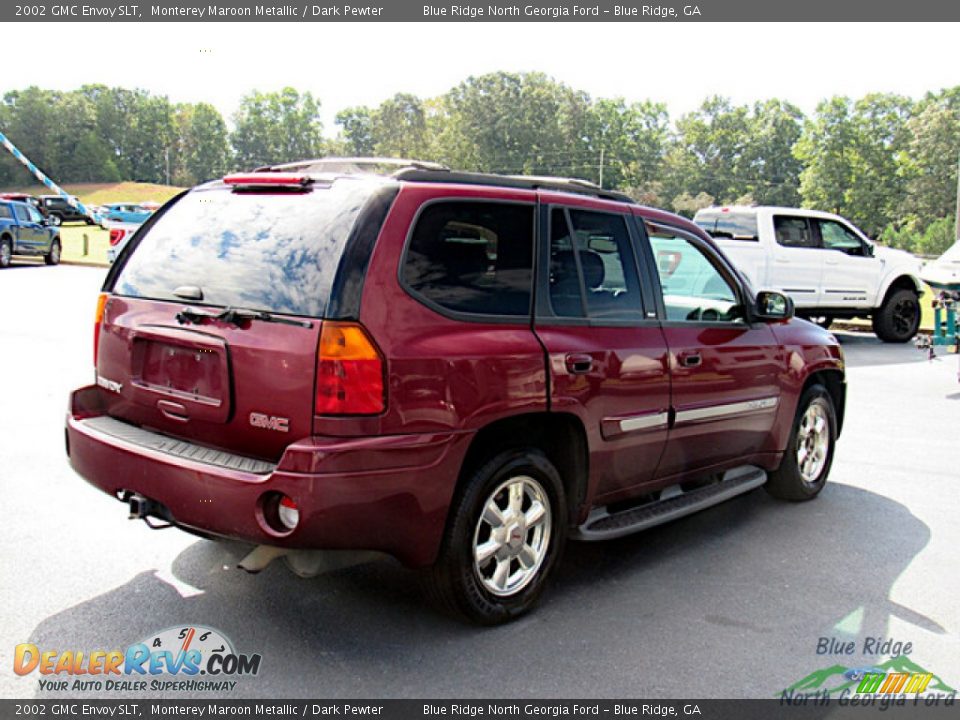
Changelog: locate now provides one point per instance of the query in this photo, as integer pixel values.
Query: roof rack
(424, 171)
(525, 182)
(374, 165)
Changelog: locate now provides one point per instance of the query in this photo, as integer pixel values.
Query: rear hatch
(213, 316)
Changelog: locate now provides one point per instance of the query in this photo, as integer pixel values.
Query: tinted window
(793, 232)
(265, 251)
(736, 225)
(474, 257)
(5, 212)
(23, 214)
(693, 288)
(601, 255)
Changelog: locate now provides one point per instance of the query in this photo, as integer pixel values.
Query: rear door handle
(690, 359)
(579, 364)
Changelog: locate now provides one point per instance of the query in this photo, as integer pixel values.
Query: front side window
(793, 232)
(473, 257)
(836, 237)
(23, 214)
(35, 216)
(694, 290)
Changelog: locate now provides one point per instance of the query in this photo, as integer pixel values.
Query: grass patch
(73, 245)
(103, 193)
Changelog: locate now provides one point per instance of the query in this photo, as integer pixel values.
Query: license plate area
(182, 368)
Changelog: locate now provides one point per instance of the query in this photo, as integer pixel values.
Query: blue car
(125, 212)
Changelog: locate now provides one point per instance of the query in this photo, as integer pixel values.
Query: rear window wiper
(237, 316)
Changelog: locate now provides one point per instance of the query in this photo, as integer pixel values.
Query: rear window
(731, 225)
(474, 257)
(272, 251)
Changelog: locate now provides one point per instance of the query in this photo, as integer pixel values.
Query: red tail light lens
(116, 235)
(349, 372)
(97, 323)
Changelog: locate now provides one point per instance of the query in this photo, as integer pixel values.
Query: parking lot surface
(731, 602)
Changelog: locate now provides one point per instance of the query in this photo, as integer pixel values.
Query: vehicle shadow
(865, 350)
(727, 603)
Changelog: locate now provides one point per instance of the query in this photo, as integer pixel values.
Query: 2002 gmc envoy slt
(460, 370)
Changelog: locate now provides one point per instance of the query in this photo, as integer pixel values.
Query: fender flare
(894, 277)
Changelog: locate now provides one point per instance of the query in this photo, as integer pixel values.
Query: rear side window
(592, 261)
(273, 251)
(5, 213)
(732, 225)
(793, 232)
(472, 257)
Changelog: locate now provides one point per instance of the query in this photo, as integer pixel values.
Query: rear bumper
(390, 493)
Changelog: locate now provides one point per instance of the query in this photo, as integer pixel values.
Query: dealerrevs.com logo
(187, 658)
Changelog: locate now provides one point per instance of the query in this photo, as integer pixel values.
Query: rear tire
(898, 319)
(806, 463)
(56, 220)
(6, 253)
(505, 535)
(53, 257)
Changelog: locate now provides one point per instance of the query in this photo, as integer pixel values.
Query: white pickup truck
(829, 268)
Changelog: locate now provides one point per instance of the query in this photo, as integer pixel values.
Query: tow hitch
(143, 508)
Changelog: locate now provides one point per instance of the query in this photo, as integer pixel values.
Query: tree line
(887, 162)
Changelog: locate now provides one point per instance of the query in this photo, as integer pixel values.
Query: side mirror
(869, 250)
(773, 306)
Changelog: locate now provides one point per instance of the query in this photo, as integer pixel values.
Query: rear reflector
(350, 372)
(288, 513)
(116, 235)
(267, 179)
(97, 323)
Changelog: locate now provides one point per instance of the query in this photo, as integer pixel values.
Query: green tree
(514, 123)
(356, 129)
(707, 154)
(631, 138)
(768, 171)
(277, 127)
(929, 162)
(850, 153)
(399, 127)
(203, 148)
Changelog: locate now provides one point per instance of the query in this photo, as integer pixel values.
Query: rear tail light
(350, 372)
(97, 323)
(116, 235)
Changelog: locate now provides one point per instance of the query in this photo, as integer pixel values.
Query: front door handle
(579, 364)
(692, 359)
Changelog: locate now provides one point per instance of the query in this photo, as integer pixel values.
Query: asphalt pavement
(731, 602)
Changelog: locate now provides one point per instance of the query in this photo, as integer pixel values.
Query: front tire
(806, 463)
(898, 319)
(505, 535)
(53, 257)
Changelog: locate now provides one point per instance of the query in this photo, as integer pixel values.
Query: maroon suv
(459, 370)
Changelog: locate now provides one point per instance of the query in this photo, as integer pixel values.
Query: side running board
(602, 525)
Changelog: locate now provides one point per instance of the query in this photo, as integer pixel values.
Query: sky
(347, 64)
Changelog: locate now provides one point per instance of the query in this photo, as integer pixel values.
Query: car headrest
(593, 269)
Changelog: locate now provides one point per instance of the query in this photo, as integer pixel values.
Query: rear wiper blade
(237, 316)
